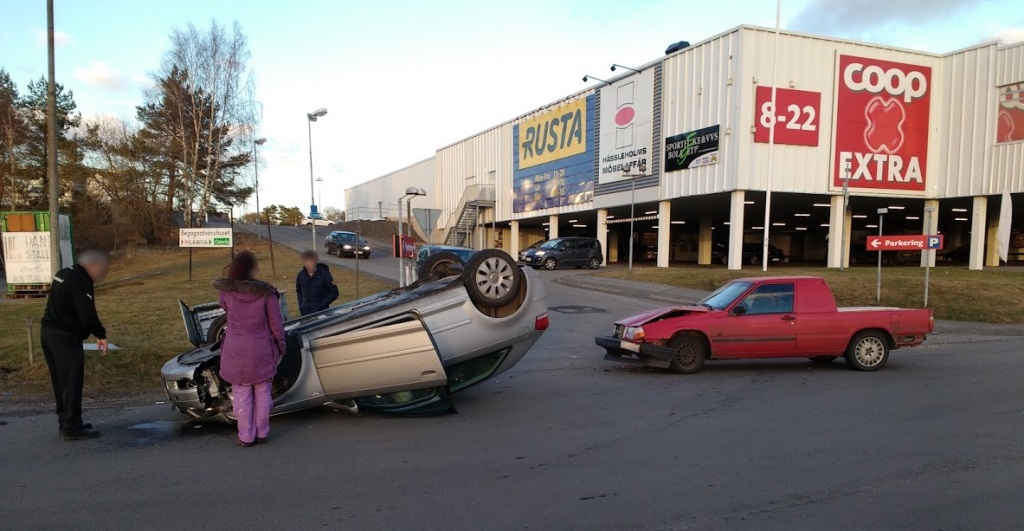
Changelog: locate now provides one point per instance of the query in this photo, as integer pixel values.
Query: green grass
(955, 293)
(139, 306)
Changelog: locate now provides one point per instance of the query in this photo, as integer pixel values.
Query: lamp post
(256, 172)
(320, 199)
(878, 283)
(410, 192)
(616, 65)
(641, 172)
(51, 147)
(311, 117)
(842, 223)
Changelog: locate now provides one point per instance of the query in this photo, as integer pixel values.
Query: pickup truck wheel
(690, 354)
(492, 278)
(867, 352)
(823, 359)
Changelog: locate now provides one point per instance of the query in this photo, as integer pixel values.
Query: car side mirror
(739, 310)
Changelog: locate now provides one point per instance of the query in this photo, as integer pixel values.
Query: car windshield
(550, 244)
(346, 237)
(725, 295)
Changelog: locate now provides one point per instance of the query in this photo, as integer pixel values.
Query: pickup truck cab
(769, 317)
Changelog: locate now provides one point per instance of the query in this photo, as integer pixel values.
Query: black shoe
(79, 434)
(243, 444)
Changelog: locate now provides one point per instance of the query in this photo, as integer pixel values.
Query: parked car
(752, 253)
(319, 222)
(865, 257)
(960, 255)
(430, 257)
(769, 317)
(343, 243)
(402, 351)
(534, 245)
(570, 251)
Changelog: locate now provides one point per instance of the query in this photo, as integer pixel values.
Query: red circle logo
(624, 116)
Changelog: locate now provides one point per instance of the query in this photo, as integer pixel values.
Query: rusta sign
(882, 113)
(553, 135)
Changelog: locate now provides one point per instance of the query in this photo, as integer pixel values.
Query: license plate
(527, 259)
(775, 259)
(632, 347)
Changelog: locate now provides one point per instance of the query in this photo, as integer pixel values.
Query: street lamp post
(641, 172)
(410, 192)
(878, 282)
(256, 172)
(311, 117)
(320, 198)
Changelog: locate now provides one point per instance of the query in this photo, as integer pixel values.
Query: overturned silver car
(402, 351)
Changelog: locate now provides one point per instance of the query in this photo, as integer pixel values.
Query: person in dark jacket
(314, 285)
(253, 344)
(70, 318)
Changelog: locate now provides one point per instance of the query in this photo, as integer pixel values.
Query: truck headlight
(634, 333)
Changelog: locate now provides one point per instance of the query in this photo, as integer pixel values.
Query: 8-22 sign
(794, 117)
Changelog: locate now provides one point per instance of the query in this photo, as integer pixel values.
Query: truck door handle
(788, 318)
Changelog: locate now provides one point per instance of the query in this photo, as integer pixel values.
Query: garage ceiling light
(581, 226)
(779, 224)
(912, 217)
(748, 202)
(960, 219)
(545, 224)
(860, 216)
(801, 228)
(959, 210)
(824, 224)
(574, 221)
(895, 208)
(756, 228)
(679, 223)
(799, 215)
(655, 227)
(726, 223)
(822, 205)
(650, 212)
(610, 217)
(871, 226)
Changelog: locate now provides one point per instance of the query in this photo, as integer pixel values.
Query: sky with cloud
(401, 78)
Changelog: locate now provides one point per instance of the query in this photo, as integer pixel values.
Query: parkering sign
(905, 243)
(882, 113)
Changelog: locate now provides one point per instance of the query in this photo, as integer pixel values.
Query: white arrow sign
(876, 244)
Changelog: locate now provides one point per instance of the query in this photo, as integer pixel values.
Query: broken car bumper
(646, 354)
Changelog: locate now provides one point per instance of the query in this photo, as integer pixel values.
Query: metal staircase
(464, 219)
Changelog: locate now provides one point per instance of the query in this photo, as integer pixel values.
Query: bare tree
(206, 90)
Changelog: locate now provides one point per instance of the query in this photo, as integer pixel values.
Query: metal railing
(463, 220)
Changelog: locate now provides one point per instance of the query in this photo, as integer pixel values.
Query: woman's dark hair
(241, 266)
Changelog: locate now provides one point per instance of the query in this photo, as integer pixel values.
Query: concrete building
(935, 139)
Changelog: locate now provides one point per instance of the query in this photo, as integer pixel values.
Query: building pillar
(992, 253)
(705, 241)
(664, 233)
(613, 246)
(736, 230)
(513, 239)
(979, 215)
(837, 224)
(552, 227)
(930, 224)
(602, 234)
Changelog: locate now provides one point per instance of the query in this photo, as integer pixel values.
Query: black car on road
(573, 251)
(343, 243)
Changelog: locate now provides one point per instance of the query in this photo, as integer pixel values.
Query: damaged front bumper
(193, 386)
(646, 354)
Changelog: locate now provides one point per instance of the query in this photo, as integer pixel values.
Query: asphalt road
(380, 263)
(567, 441)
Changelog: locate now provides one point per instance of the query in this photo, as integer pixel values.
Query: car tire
(594, 263)
(754, 260)
(442, 263)
(724, 260)
(868, 351)
(550, 264)
(492, 278)
(218, 328)
(823, 359)
(690, 353)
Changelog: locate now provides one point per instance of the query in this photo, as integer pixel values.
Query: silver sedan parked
(402, 351)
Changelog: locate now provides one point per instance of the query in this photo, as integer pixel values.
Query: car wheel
(868, 351)
(595, 263)
(754, 260)
(823, 359)
(492, 278)
(886, 260)
(550, 264)
(724, 260)
(690, 354)
(217, 330)
(440, 264)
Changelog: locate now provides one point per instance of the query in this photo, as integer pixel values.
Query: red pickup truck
(770, 317)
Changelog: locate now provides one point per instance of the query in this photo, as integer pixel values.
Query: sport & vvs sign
(882, 117)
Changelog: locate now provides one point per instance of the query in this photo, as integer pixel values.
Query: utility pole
(51, 146)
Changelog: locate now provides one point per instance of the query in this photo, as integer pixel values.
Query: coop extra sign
(204, 237)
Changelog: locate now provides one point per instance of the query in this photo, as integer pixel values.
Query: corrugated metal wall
(1010, 64)
(966, 116)
(1007, 161)
(699, 90)
(363, 198)
(472, 161)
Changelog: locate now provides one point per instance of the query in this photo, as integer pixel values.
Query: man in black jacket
(314, 285)
(70, 318)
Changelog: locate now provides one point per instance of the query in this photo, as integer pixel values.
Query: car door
(397, 355)
(761, 325)
(574, 251)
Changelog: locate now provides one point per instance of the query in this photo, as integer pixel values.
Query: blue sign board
(565, 181)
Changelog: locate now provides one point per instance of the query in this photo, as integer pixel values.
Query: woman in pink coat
(253, 344)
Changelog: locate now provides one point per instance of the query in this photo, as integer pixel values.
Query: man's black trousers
(66, 359)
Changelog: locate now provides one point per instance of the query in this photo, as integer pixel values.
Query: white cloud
(1008, 35)
(59, 38)
(100, 75)
(850, 18)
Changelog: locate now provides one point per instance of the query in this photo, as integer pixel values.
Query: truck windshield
(723, 296)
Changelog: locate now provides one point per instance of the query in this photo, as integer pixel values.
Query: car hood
(657, 315)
